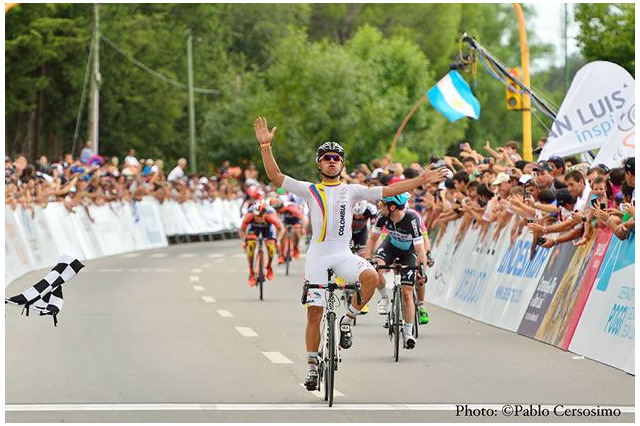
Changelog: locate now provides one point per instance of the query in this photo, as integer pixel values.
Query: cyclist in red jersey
(261, 220)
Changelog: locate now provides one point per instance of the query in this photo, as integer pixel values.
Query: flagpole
(404, 123)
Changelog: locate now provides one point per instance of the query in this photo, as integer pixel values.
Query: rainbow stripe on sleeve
(318, 193)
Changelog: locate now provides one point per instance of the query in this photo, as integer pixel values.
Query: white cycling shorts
(337, 256)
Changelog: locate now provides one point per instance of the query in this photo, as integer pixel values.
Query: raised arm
(428, 176)
(264, 137)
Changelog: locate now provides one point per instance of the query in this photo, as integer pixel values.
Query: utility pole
(566, 50)
(94, 91)
(192, 112)
(527, 150)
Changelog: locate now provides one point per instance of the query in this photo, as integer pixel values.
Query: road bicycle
(395, 317)
(329, 354)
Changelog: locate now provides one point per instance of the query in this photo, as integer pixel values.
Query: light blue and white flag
(452, 96)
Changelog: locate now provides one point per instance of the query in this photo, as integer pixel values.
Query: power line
(156, 73)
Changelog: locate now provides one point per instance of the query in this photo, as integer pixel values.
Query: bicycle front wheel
(416, 316)
(260, 264)
(330, 365)
(397, 312)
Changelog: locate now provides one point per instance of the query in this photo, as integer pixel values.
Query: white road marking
(225, 314)
(187, 255)
(578, 357)
(274, 407)
(159, 255)
(196, 271)
(206, 265)
(246, 332)
(130, 255)
(198, 288)
(135, 270)
(216, 255)
(110, 270)
(277, 358)
(219, 260)
(239, 255)
(163, 270)
(320, 394)
(194, 278)
(208, 299)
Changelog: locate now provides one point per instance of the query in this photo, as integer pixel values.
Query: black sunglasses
(329, 157)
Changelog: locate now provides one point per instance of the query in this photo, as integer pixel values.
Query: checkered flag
(46, 295)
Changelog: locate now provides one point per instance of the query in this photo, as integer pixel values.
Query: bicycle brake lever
(305, 289)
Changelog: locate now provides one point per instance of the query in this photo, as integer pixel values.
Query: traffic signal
(514, 98)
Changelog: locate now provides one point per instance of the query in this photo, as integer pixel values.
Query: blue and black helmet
(399, 200)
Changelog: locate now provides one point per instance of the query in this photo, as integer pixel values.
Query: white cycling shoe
(383, 306)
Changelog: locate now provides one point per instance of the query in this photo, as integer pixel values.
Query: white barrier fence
(36, 237)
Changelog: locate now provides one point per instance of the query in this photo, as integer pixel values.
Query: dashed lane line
(194, 278)
(198, 288)
(156, 255)
(214, 255)
(209, 299)
(186, 255)
(130, 255)
(225, 314)
(246, 332)
(277, 358)
(196, 271)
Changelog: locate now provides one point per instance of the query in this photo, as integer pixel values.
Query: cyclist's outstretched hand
(434, 175)
(263, 135)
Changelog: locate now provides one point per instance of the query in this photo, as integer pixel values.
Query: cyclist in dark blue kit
(405, 242)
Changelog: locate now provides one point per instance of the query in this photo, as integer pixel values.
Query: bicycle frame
(258, 258)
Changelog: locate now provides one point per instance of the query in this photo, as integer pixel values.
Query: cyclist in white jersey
(330, 204)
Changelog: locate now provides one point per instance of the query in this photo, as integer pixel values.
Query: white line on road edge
(110, 270)
(320, 394)
(277, 358)
(246, 332)
(578, 357)
(208, 299)
(187, 255)
(271, 407)
(225, 314)
(159, 255)
(216, 255)
(198, 288)
(196, 271)
(239, 255)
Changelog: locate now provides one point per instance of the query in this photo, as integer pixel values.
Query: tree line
(345, 72)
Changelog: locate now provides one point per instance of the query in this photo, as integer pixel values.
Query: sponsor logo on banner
(541, 300)
(606, 331)
(599, 104)
(516, 260)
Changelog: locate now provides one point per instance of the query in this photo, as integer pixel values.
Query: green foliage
(607, 32)
(345, 72)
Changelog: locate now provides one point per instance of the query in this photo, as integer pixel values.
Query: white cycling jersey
(331, 206)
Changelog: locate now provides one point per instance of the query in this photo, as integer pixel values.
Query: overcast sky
(548, 26)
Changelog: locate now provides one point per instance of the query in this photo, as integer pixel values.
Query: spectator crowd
(560, 200)
(94, 180)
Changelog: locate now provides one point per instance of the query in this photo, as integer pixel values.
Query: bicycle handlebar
(331, 287)
(397, 267)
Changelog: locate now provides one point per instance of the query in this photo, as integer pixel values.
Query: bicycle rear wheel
(330, 365)
(397, 311)
(260, 264)
(416, 316)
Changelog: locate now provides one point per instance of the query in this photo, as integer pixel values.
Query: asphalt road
(177, 335)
